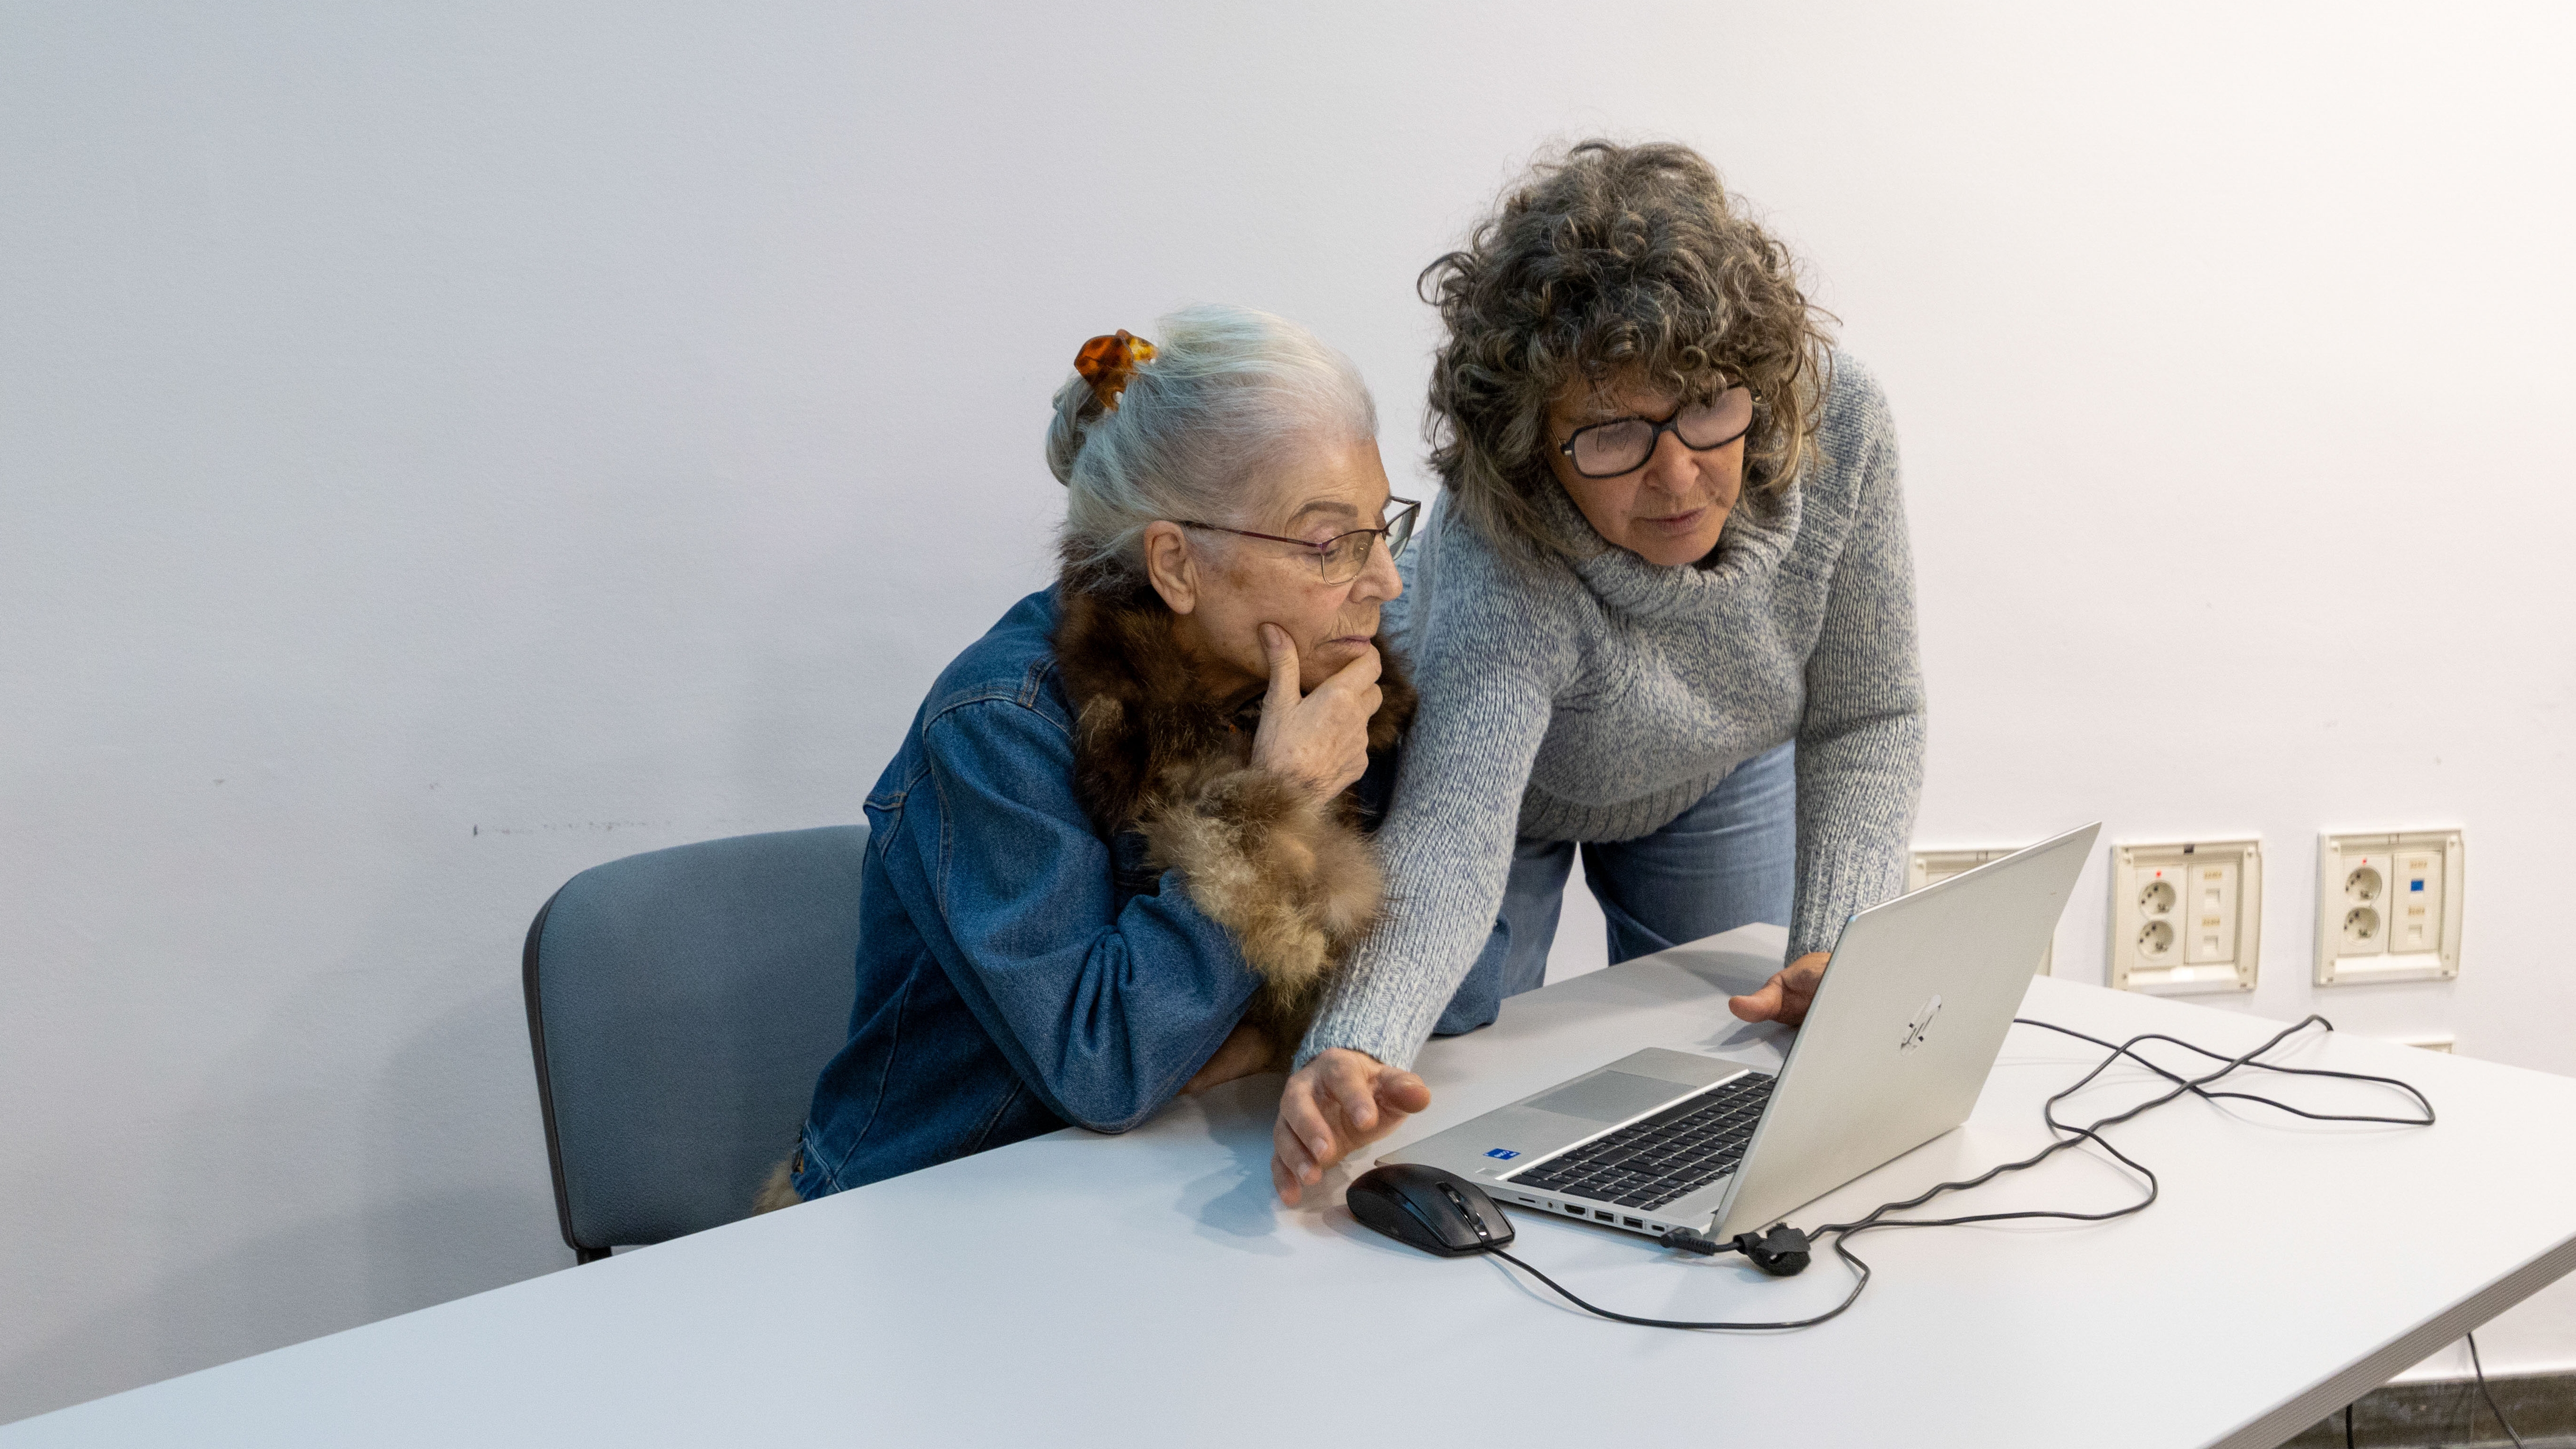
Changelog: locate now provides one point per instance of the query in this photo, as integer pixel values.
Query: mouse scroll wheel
(1468, 1211)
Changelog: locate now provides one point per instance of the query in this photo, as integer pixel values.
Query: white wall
(443, 448)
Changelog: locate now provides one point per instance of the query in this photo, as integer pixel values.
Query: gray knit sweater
(1599, 700)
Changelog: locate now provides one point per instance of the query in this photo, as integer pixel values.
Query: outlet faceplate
(1930, 866)
(2187, 917)
(2388, 906)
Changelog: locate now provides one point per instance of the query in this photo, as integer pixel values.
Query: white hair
(1229, 392)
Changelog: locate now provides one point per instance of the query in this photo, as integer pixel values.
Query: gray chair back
(680, 1005)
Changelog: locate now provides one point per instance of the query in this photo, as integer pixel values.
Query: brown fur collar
(1290, 876)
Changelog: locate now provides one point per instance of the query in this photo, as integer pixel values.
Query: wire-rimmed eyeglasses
(1342, 556)
(1622, 445)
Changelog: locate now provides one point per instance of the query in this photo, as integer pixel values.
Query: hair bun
(1102, 370)
(1066, 429)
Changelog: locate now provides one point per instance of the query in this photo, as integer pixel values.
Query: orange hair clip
(1107, 362)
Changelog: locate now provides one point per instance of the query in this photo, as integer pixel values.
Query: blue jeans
(1728, 861)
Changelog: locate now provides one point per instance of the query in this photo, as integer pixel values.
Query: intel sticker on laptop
(1505, 1153)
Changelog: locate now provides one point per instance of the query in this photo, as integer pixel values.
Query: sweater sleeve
(1488, 663)
(1860, 741)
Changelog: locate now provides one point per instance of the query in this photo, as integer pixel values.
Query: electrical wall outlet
(2187, 917)
(2388, 906)
(1929, 866)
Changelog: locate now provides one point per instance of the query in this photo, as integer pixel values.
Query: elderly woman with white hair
(1123, 845)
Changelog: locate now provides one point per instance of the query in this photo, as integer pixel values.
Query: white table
(1145, 1289)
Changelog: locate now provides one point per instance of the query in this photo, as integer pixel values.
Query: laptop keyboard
(1669, 1155)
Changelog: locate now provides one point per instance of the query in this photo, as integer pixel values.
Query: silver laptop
(1895, 1048)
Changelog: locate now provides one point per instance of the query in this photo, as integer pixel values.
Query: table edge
(2271, 1430)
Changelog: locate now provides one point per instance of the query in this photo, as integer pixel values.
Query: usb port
(1605, 1217)
(1631, 1222)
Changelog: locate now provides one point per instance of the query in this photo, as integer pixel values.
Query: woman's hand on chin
(1339, 1102)
(1787, 995)
(1319, 740)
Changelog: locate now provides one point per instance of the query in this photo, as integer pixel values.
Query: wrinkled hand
(1319, 740)
(1787, 995)
(1339, 1102)
(1246, 1052)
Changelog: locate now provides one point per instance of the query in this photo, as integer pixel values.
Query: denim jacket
(1017, 971)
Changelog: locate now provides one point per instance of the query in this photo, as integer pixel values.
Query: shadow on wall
(385, 1204)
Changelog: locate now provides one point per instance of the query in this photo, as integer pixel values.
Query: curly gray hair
(1611, 262)
(1229, 392)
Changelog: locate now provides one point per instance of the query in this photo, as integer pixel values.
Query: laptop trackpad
(1609, 1096)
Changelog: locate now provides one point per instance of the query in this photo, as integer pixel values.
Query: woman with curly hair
(1664, 615)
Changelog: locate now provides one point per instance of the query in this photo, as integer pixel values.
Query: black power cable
(2494, 1408)
(2480, 1370)
(2063, 1136)
(1569, 1297)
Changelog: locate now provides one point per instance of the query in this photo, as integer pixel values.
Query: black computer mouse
(1438, 1212)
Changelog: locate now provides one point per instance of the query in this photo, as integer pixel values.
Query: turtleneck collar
(1758, 533)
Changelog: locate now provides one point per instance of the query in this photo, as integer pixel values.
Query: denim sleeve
(1104, 1012)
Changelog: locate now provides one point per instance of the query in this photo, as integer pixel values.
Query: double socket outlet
(2187, 917)
(2388, 907)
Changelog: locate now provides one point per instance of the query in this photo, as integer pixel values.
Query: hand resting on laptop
(1787, 995)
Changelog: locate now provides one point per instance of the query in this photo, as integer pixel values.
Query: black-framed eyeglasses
(1342, 556)
(1622, 445)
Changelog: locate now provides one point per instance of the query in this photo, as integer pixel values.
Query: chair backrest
(680, 1005)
